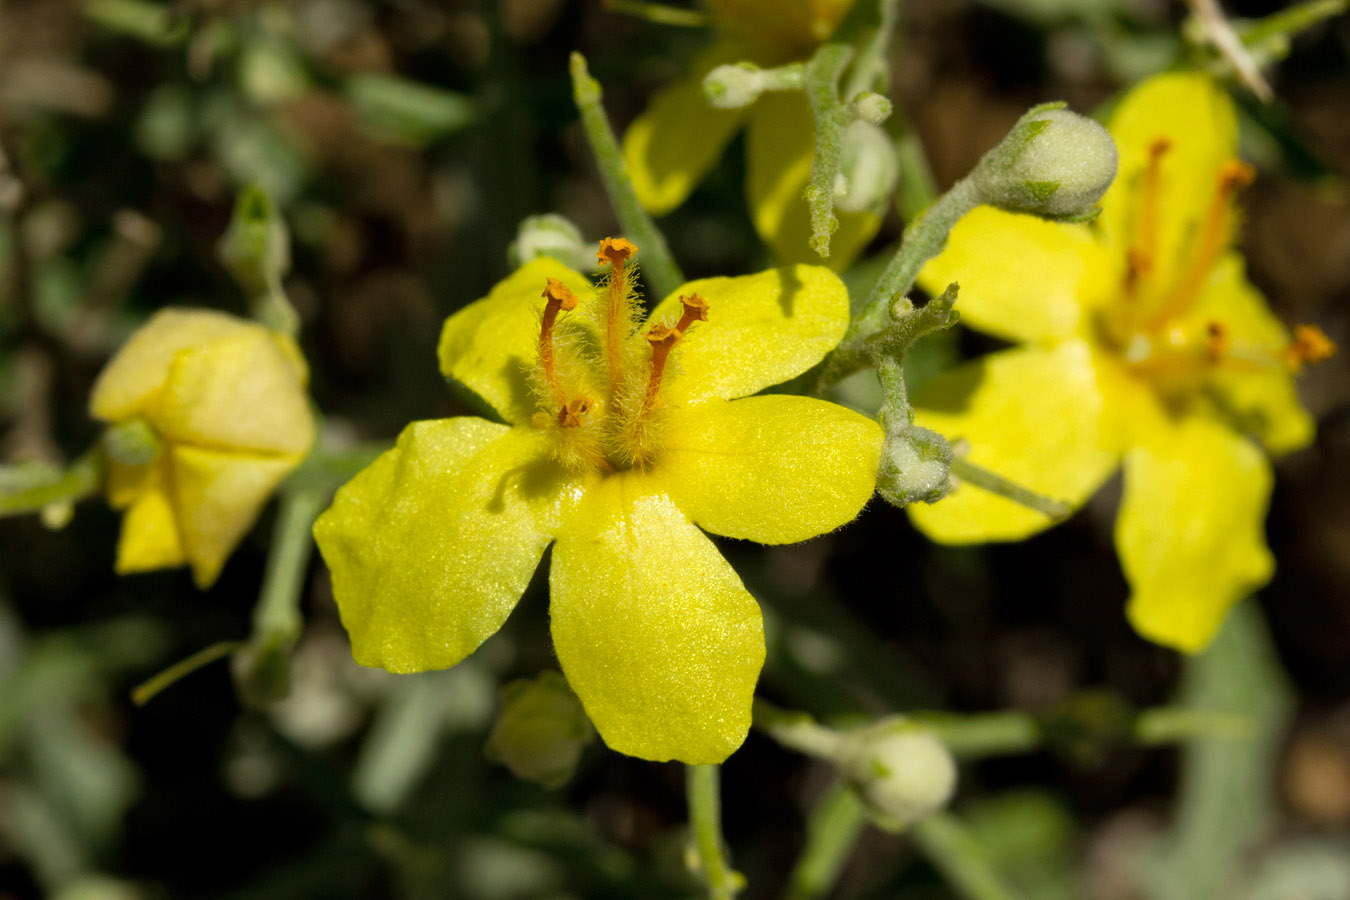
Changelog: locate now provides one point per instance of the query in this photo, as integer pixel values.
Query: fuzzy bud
(868, 168)
(872, 107)
(541, 731)
(551, 235)
(733, 86)
(902, 771)
(914, 467)
(1053, 163)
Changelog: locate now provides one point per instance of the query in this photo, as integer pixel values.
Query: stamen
(663, 338)
(572, 411)
(1139, 259)
(559, 297)
(1310, 345)
(1218, 341)
(695, 310)
(1214, 236)
(616, 252)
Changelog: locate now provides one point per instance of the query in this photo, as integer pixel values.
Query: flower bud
(733, 86)
(1053, 163)
(902, 771)
(541, 731)
(551, 235)
(872, 107)
(914, 467)
(868, 168)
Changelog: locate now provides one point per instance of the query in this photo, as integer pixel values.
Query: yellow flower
(679, 137)
(621, 445)
(1142, 341)
(225, 401)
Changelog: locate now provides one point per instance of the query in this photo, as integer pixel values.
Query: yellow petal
(679, 137)
(149, 538)
(1038, 417)
(780, 144)
(775, 469)
(432, 544)
(793, 27)
(1260, 395)
(653, 628)
(1021, 278)
(492, 345)
(125, 483)
(238, 393)
(219, 495)
(1190, 531)
(762, 329)
(1196, 118)
(133, 378)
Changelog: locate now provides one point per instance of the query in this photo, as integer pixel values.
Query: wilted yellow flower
(1142, 340)
(679, 137)
(623, 443)
(227, 416)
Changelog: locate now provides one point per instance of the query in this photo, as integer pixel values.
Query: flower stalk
(703, 787)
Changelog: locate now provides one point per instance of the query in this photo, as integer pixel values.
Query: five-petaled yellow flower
(1142, 340)
(225, 401)
(679, 137)
(622, 444)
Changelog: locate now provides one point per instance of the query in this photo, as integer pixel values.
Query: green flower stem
(831, 118)
(659, 13)
(967, 471)
(32, 487)
(702, 785)
(877, 23)
(918, 188)
(985, 734)
(1220, 34)
(951, 847)
(657, 262)
(796, 730)
(142, 693)
(1175, 724)
(831, 834)
(1286, 23)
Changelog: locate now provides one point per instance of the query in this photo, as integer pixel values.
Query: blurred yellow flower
(622, 444)
(228, 418)
(679, 137)
(1142, 341)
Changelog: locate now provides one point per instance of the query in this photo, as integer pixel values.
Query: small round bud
(902, 772)
(914, 467)
(1053, 163)
(733, 86)
(872, 107)
(868, 168)
(541, 731)
(550, 235)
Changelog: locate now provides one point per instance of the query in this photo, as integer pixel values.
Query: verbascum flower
(622, 444)
(220, 415)
(1141, 341)
(679, 137)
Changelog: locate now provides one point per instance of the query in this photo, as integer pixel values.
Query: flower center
(598, 381)
(1151, 326)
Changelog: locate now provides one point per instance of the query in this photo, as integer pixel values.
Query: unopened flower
(209, 414)
(623, 443)
(680, 137)
(1142, 341)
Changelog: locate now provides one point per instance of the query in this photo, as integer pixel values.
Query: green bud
(872, 107)
(131, 443)
(914, 466)
(1053, 163)
(733, 86)
(868, 168)
(901, 771)
(541, 731)
(551, 235)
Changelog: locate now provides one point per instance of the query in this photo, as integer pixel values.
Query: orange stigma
(1310, 345)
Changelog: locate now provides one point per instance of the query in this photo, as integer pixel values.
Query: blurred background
(404, 141)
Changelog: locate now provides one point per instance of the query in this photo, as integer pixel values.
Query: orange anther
(572, 411)
(615, 251)
(1218, 341)
(695, 310)
(1235, 174)
(1310, 345)
(557, 292)
(662, 332)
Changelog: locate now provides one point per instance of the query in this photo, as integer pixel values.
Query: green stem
(31, 488)
(142, 693)
(659, 13)
(967, 471)
(960, 857)
(984, 734)
(702, 784)
(869, 67)
(831, 834)
(796, 730)
(831, 118)
(1173, 724)
(657, 262)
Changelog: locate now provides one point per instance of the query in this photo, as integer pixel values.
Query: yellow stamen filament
(1234, 175)
(1139, 259)
(559, 297)
(616, 252)
(1310, 345)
